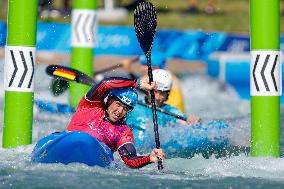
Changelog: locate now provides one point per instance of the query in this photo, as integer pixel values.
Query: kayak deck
(70, 147)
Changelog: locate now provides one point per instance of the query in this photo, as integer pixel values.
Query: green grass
(232, 16)
(171, 14)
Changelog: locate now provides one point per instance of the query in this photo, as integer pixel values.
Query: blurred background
(205, 43)
(227, 15)
(193, 35)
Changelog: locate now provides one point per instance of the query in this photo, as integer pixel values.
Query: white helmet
(163, 79)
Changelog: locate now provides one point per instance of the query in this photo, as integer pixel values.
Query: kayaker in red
(105, 120)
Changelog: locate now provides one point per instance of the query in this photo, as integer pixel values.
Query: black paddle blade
(145, 23)
(69, 74)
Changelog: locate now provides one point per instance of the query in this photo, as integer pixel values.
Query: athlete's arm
(129, 156)
(98, 92)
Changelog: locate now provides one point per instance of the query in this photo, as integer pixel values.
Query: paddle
(119, 65)
(58, 86)
(69, 74)
(145, 23)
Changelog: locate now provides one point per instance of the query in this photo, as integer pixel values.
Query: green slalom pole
(19, 71)
(266, 81)
(84, 22)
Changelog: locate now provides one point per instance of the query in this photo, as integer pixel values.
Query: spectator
(132, 5)
(44, 5)
(66, 9)
(47, 10)
(193, 7)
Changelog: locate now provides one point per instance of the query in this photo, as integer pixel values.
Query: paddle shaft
(154, 108)
(119, 65)
(108, 69)
(163, 111)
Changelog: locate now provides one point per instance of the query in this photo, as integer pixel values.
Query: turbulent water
(203, 96)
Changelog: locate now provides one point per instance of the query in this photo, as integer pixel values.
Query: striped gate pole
(265, 77)
(83, 24)
(19, 73)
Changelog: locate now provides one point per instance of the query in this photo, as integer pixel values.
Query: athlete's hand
(144, 84)
(157, 154)
(126, 63)
(193, 119)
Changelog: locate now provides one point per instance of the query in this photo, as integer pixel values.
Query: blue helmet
(158, 59)
(127, 96)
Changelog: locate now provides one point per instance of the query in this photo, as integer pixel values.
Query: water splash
(241, 171)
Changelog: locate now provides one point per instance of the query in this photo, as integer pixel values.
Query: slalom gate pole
(83, 24)
(19, 73)
(265, 77)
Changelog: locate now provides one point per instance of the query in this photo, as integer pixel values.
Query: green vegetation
(231, 16)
